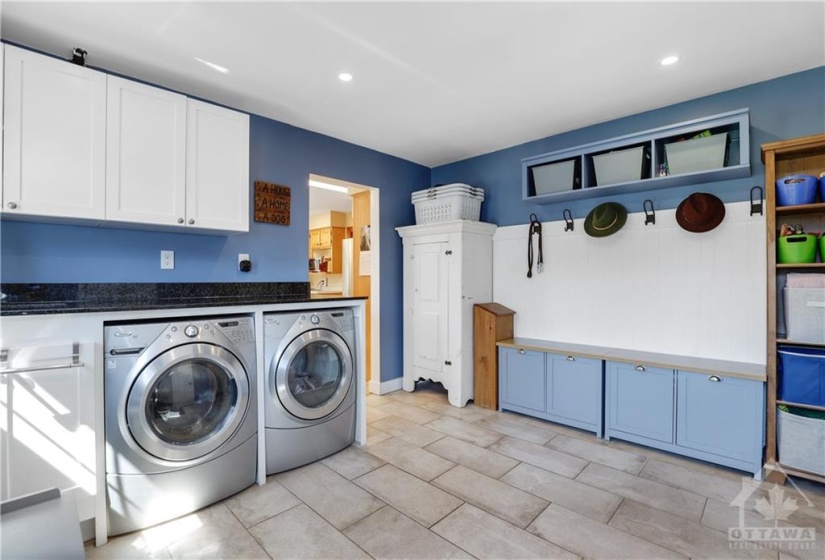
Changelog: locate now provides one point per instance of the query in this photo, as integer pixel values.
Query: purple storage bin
(796, 189)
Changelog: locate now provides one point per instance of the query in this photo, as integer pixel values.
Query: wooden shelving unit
(800, 155)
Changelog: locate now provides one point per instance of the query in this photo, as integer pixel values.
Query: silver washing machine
(181, 417)
(311, 386)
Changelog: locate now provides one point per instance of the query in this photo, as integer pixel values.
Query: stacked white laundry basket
(456, 201)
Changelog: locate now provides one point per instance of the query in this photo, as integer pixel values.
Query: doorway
(349, 212)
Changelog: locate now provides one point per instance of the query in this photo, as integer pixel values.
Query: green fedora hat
(605, 219)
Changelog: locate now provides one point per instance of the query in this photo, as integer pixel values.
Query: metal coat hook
(568, 220)
(756, 206)
(650, 214)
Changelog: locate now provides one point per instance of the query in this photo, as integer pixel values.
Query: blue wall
(279, 153)
(783, 108)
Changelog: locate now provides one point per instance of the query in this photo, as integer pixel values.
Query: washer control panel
(239, 330)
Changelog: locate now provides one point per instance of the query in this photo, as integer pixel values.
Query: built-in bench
(702, 408)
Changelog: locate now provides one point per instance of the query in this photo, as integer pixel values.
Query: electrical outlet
(244, 264)
(167, 259)
(243, 257)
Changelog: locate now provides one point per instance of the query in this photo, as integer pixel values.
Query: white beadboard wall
(654, 288)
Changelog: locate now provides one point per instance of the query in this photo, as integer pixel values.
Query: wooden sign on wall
(272, 203)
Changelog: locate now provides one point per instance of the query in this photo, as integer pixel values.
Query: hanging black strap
(535, 228)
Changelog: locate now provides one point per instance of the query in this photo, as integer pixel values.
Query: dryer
(311, 386)
(180, 417)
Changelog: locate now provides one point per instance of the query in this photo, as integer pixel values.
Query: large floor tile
(469, 413)
(411, 496)
(466, 431)
(500, 499)
(332, 496)
(473, 457)
(375, 413)
(408, 431)
(673, 458)
(415, 414)
(302, 533)
(387, 533)
(257, 503)
(134, 546)
(511, 427)
(540, 456)
(615, 458)
(690, 538)
(486, 536)
(711, 486)
(374, 435)
(581, 498)
(594, 540)
(654, 494)
(219, 535)
(352, 462)
(556, 427)
(408, 457)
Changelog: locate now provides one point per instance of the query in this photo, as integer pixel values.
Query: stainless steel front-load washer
(311, 387)
(181, 420)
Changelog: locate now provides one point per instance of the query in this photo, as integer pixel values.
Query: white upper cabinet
(217, 168)
(146, 154)
(55, 138)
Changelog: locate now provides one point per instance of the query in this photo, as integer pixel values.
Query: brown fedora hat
(700, 212)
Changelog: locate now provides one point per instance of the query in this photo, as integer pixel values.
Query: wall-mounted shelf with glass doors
(715, 148)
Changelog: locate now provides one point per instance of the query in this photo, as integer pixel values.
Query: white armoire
(448, 267)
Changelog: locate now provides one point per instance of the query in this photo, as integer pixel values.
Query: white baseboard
(379, 388)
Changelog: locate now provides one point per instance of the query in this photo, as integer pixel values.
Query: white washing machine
(181, 420)
(311, 386)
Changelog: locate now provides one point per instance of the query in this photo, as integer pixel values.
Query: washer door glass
(314, 374)
(188, 401)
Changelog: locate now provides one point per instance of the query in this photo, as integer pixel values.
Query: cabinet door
(640, 401)
(55, 138)
(522, 381)
(314, 238)
(325, 237)
(217, 167)
(574, 388)
(145, 154)
(47, 428)
(430, 283)
(720, 415)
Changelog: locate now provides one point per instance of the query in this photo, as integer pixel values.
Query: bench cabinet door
(640, 401)
(574, 388)
(522, 381)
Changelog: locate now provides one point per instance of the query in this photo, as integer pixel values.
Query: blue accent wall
(782, 108)
(279, 153)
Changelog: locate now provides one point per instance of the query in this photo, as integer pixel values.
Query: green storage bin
(795, 249)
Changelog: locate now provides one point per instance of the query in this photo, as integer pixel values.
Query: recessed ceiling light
(668, 60)
(327, 186)
(212, 65)
(345, 77)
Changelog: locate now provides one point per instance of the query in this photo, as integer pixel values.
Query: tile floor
(435, 481)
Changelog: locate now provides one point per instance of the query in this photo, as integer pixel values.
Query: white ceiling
(434, 82)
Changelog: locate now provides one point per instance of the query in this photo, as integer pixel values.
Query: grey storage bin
(699, 154)
(554, 177)
(801, 442)
(620, 166)
(805, 314)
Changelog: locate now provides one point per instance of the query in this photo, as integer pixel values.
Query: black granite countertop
(41, 299)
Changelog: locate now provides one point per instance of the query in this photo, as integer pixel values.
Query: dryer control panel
(240, 330)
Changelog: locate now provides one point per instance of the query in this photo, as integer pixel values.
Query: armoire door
(429, 305)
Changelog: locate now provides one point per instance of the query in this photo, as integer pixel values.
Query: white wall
(655, 288)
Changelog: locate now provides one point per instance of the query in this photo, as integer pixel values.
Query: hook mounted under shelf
(650, 214)
(756, 206)
(568, 220)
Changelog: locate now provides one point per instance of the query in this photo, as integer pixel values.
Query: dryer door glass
(314, 374)
(187, 402)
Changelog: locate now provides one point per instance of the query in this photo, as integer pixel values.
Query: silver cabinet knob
(640, 368)
(571, 359)
(521, 351)
(180, 220)
(12, 205)
(191, 221)
(715, 379)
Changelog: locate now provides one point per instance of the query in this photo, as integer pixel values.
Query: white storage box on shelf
(698, 154)
(805, 314)
(620, 166)
(447, 202)
(801, 442)
(554, 177)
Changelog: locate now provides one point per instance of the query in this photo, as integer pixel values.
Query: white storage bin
(801, 442)
(620, 166)
(699, 154)
(554, 177)
(805, 314)
(451, 206)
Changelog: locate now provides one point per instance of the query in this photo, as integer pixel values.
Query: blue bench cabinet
(565, 389)
(715, 418)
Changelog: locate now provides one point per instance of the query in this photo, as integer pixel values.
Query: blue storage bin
(802, 375)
